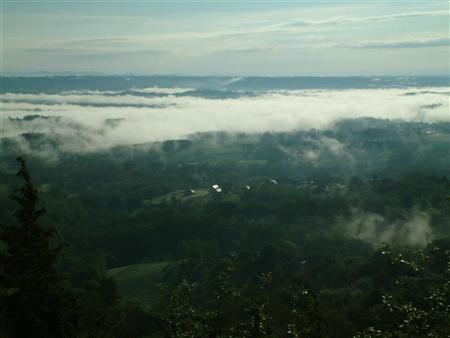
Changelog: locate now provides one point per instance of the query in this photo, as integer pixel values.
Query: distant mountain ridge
(53, 84)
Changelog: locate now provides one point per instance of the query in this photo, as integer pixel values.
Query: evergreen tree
(36, 302)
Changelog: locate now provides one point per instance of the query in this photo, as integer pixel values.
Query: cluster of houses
(306, 185)
(215, 188)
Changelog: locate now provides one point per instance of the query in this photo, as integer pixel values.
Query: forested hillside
(338, 232)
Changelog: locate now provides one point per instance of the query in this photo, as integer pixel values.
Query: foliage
(36, 302)
(305, 256)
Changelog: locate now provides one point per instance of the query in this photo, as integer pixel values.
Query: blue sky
(226, 37)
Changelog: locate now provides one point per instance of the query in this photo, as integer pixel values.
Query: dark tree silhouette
(35, 302)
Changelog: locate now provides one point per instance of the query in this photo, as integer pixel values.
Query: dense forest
(340, 232)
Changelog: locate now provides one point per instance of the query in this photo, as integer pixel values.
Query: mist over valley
(224, 169)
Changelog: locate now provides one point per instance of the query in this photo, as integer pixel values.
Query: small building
(216, 188)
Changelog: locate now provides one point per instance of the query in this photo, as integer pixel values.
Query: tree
(36, 302)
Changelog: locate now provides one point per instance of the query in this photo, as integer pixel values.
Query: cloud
(158, 118)
(157, 90)
(259, 40)
(413, 43)
(86, 98)
(352, 20)
(315, 150)
(95, 52)
(414, 230)
(268, 35)
(244, 46)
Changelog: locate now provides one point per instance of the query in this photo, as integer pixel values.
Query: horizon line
(100, 74)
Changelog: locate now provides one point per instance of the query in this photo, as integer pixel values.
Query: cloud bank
(100, 120)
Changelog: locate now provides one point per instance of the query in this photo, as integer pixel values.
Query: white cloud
(408, 43)
(415, 230)
(171, 117)
(364, 19)
(214, 42)
(158, 90)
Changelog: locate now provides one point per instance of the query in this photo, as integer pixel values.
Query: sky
(226, 37)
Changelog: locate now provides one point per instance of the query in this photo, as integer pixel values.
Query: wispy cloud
(216, 40)
(414, 230)
(96, 52)
(135, 46)
(412, 43)
(340, 20)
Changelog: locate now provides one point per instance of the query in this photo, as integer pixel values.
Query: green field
(139, 282)
(178, 194)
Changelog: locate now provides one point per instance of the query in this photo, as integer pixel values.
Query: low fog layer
(92, 120)
(414, 230)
